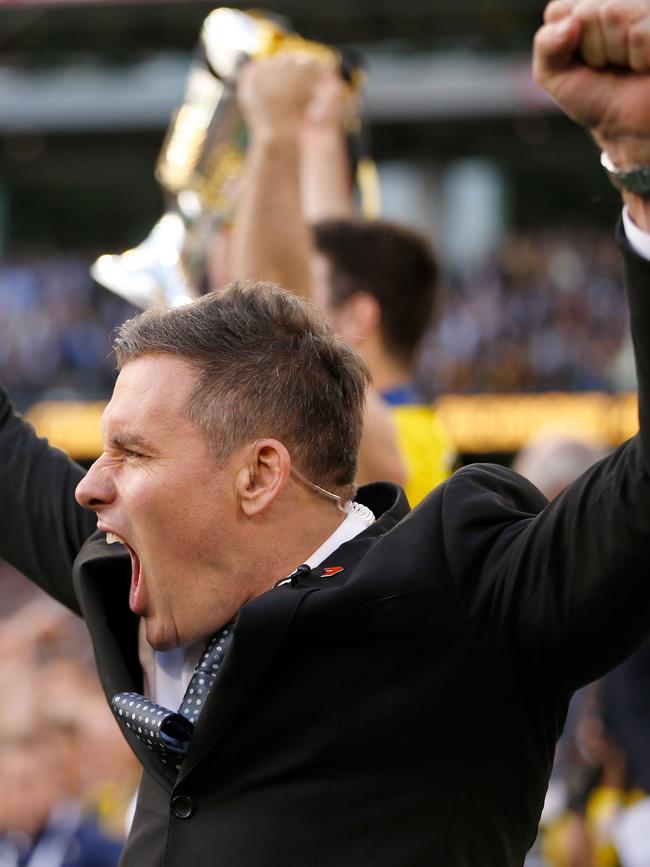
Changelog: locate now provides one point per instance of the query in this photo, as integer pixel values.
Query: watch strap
(636, 180)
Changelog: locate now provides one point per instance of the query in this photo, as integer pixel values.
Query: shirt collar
(356, 521)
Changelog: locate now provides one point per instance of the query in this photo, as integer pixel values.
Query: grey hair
(268, 365)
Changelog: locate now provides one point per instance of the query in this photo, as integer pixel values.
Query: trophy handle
(151, 273)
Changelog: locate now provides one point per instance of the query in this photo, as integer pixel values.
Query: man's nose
(96, 489)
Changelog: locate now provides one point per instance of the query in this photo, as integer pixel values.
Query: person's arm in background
(379, 456)
(271, 239)
(326, 174)
(326, 184)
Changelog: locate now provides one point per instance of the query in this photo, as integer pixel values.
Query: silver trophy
(201, 160)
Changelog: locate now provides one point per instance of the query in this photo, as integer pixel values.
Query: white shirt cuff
(639, 240)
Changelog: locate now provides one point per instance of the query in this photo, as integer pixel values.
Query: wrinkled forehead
(151, 390)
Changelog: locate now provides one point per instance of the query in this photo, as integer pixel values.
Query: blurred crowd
(545, 312)
(597, 809)
(66, 775)
(55, 326)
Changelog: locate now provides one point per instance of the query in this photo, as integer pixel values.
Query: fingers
(614, 32)
(283, 82)
(289, 69)
(329, 100)
(614, 28)
(584, 56)
(554, 47)
(558, 9)
(592, 42)
(638, 43)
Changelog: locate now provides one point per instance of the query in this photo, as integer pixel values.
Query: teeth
(111, 538)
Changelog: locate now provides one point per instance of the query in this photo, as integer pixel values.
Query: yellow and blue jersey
(425, 447)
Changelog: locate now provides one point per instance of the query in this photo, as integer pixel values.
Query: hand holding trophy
(203, 155)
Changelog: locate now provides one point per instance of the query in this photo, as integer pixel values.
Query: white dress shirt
(639, 240)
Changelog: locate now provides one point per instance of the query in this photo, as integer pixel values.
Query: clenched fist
(593, 58)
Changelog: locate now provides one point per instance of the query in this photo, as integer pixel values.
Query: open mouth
(136, 600)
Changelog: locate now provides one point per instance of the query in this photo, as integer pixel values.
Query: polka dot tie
(165, 732)
(205, 674)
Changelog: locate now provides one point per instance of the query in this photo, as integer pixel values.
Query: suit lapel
(102, 575)
(259, 630)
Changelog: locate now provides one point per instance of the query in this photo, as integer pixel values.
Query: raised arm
(566, 584)
(271, 238)
(593, 57)
(326, 175)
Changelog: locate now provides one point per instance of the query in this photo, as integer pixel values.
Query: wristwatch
(635, 180)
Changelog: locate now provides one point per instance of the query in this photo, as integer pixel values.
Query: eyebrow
(126, 439)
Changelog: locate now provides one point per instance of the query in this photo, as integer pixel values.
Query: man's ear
(263, 476)
(358, 318)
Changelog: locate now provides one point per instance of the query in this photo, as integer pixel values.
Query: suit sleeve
(42, 527)
(566, 584)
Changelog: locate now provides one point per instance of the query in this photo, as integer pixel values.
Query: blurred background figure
(556, 456)
(375, 280)
(66, 775)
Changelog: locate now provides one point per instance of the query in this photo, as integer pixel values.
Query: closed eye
(131, 453)
(117, 454)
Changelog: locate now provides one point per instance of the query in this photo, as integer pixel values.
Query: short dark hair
(268, 366)
(394, 264)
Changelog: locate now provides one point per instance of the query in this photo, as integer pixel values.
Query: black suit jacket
(400, 713)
